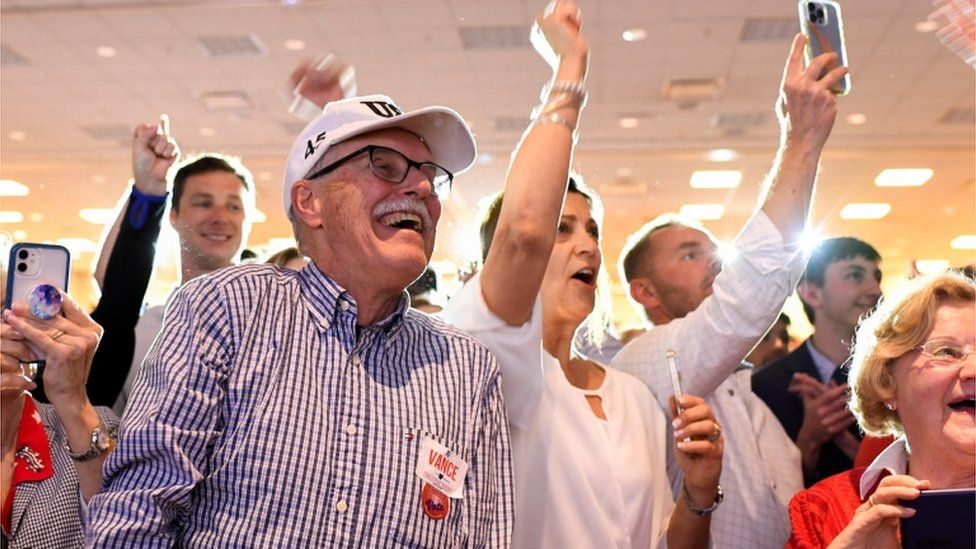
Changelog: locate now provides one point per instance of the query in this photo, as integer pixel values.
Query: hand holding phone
(672, 357)
(821, 23)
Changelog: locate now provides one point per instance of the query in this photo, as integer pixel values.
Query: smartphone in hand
(31, 265)
(821, 23)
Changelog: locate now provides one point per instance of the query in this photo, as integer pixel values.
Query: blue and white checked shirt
(264, 418)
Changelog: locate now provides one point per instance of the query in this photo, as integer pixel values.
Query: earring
(891, 405)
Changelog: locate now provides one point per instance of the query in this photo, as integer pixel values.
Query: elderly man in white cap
(314, 408)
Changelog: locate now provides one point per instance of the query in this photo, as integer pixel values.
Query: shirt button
(355, 360)
(351, 429)
(341, 506)
(344, 305)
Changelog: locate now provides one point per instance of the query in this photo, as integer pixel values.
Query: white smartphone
(31, 265)
(821, 23)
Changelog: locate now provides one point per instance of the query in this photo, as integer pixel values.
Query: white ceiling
(75, 109)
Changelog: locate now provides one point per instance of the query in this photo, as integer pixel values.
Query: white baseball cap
(443, 130)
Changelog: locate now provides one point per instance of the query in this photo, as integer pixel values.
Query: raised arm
(806, 110)
(153, 152)
(537, 178)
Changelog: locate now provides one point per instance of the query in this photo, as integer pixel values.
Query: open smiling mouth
(403, 220)
(586, 276)
(964, 405)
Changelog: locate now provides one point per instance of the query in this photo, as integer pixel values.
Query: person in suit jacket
(807, 389)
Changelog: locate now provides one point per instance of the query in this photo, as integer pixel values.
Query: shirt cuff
(140, 205)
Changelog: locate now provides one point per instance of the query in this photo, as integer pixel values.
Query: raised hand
(556, 35)
(875, 523)
(322, 81)
(153, 152)
(698, 447)
(807, 107)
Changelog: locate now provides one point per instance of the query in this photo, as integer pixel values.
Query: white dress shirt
(761, 468)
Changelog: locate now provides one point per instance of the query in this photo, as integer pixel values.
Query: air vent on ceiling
(10, 57)
(692, 89)
(233, 46)
(109, 132)
(495, 37)
(727, 120)
(958, 116)
(226, 100)
(511, 123)
(768, 29)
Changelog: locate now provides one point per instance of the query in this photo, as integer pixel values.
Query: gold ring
(718, 432)
(57, 334)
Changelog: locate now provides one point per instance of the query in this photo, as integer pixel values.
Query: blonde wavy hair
(899, 324)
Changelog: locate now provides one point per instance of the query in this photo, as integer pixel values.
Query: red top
(869, 449)
(819, 513)
(32, 462)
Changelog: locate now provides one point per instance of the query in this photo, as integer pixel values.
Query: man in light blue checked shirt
(313, 408)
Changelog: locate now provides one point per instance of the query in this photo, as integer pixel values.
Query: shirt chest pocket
(429, 518)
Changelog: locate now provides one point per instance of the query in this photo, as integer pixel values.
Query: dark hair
(489, 220)
(638, 244)
(205, 164)
(829, 251)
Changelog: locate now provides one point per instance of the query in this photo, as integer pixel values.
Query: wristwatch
(101, 440)
(719, 496)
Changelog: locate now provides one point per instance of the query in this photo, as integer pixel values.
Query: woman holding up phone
(52, 453)
(588, 442)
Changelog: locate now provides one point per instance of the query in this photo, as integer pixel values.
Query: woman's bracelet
(719, 496)
(574, 89)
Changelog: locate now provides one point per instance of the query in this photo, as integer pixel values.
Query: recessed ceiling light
(865, 210)
(926, 26)
(629, 123)
(207, 132)
(486, 158)
(10, 216)
(634, 35)
(98, 216)
(722, 155)
(20, 234)
(857, 118)
(78, 245)
(35, 217)
(295, 44)
(704, 212)
(716, 179)
(624, 172)
(931, 265)
(257, 216)
(106, 51)
(908, 177)
(17, 135)
(9, 187)
(964, 242)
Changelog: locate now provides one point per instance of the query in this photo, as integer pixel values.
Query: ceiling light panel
(703, 212)
(903, 177)
(768, 29)
(865, 210)
(233, 46)
(9, 187)
(964, 242)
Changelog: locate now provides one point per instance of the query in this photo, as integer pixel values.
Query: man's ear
(172, 217)
(810, 293)
(303, 204)
(644, 293)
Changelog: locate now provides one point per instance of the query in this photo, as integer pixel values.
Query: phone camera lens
(21, 267)
(22, 254)
(812, 7)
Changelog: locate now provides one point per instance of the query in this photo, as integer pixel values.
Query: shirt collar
(893, 460)
(325, 299)
(32, 460)
(825, 366)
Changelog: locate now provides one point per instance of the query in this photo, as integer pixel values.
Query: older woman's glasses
(391, 165)
(945, 352)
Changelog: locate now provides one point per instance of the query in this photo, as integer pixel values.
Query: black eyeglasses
(391, 165)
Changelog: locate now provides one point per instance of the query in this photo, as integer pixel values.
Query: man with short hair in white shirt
(711, 316)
